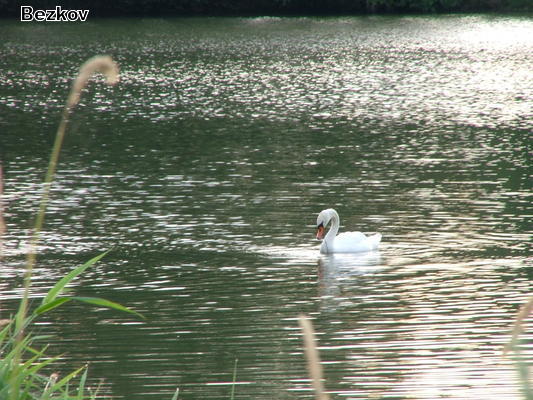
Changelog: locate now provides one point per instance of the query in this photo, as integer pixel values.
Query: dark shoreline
(273, 8)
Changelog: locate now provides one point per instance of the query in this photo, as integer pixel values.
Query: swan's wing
(348, 242)
(350, 237)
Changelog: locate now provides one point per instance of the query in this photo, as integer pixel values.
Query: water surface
(205, 168)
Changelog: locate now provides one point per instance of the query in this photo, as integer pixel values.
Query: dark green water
(204, 171)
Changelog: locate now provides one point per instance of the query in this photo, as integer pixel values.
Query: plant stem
(109, 68)
(232, 395)
(39, 221)
(313, 359)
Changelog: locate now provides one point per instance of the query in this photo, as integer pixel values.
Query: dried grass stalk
(102, 64)
(313, 359)
(518, 325)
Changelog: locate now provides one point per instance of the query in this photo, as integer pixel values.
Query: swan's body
(347, 242)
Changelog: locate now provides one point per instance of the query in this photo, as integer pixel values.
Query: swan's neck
(330, 236)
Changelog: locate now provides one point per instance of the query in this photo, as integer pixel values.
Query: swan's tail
(374, 240)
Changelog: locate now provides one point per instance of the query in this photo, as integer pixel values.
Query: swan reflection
(349, 263)
(338, 270)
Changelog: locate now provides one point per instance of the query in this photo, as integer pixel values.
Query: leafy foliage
(21, 363)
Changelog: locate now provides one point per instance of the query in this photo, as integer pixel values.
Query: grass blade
(107, 304)
(66, 379)
(60, 285)
(51, 305)
(81, 386)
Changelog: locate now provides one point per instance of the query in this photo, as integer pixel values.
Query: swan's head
(322, 221)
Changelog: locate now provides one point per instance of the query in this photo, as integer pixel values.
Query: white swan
(347, 242)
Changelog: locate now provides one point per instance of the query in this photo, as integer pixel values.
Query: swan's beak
(320, 232)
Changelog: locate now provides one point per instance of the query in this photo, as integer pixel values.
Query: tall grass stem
(232, 394)
(106, 66)
(109, 68)
(314, 367)
(176, 394)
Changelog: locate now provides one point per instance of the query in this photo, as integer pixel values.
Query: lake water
(204, 171)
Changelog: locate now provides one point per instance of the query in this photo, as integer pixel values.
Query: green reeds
(21, 364)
